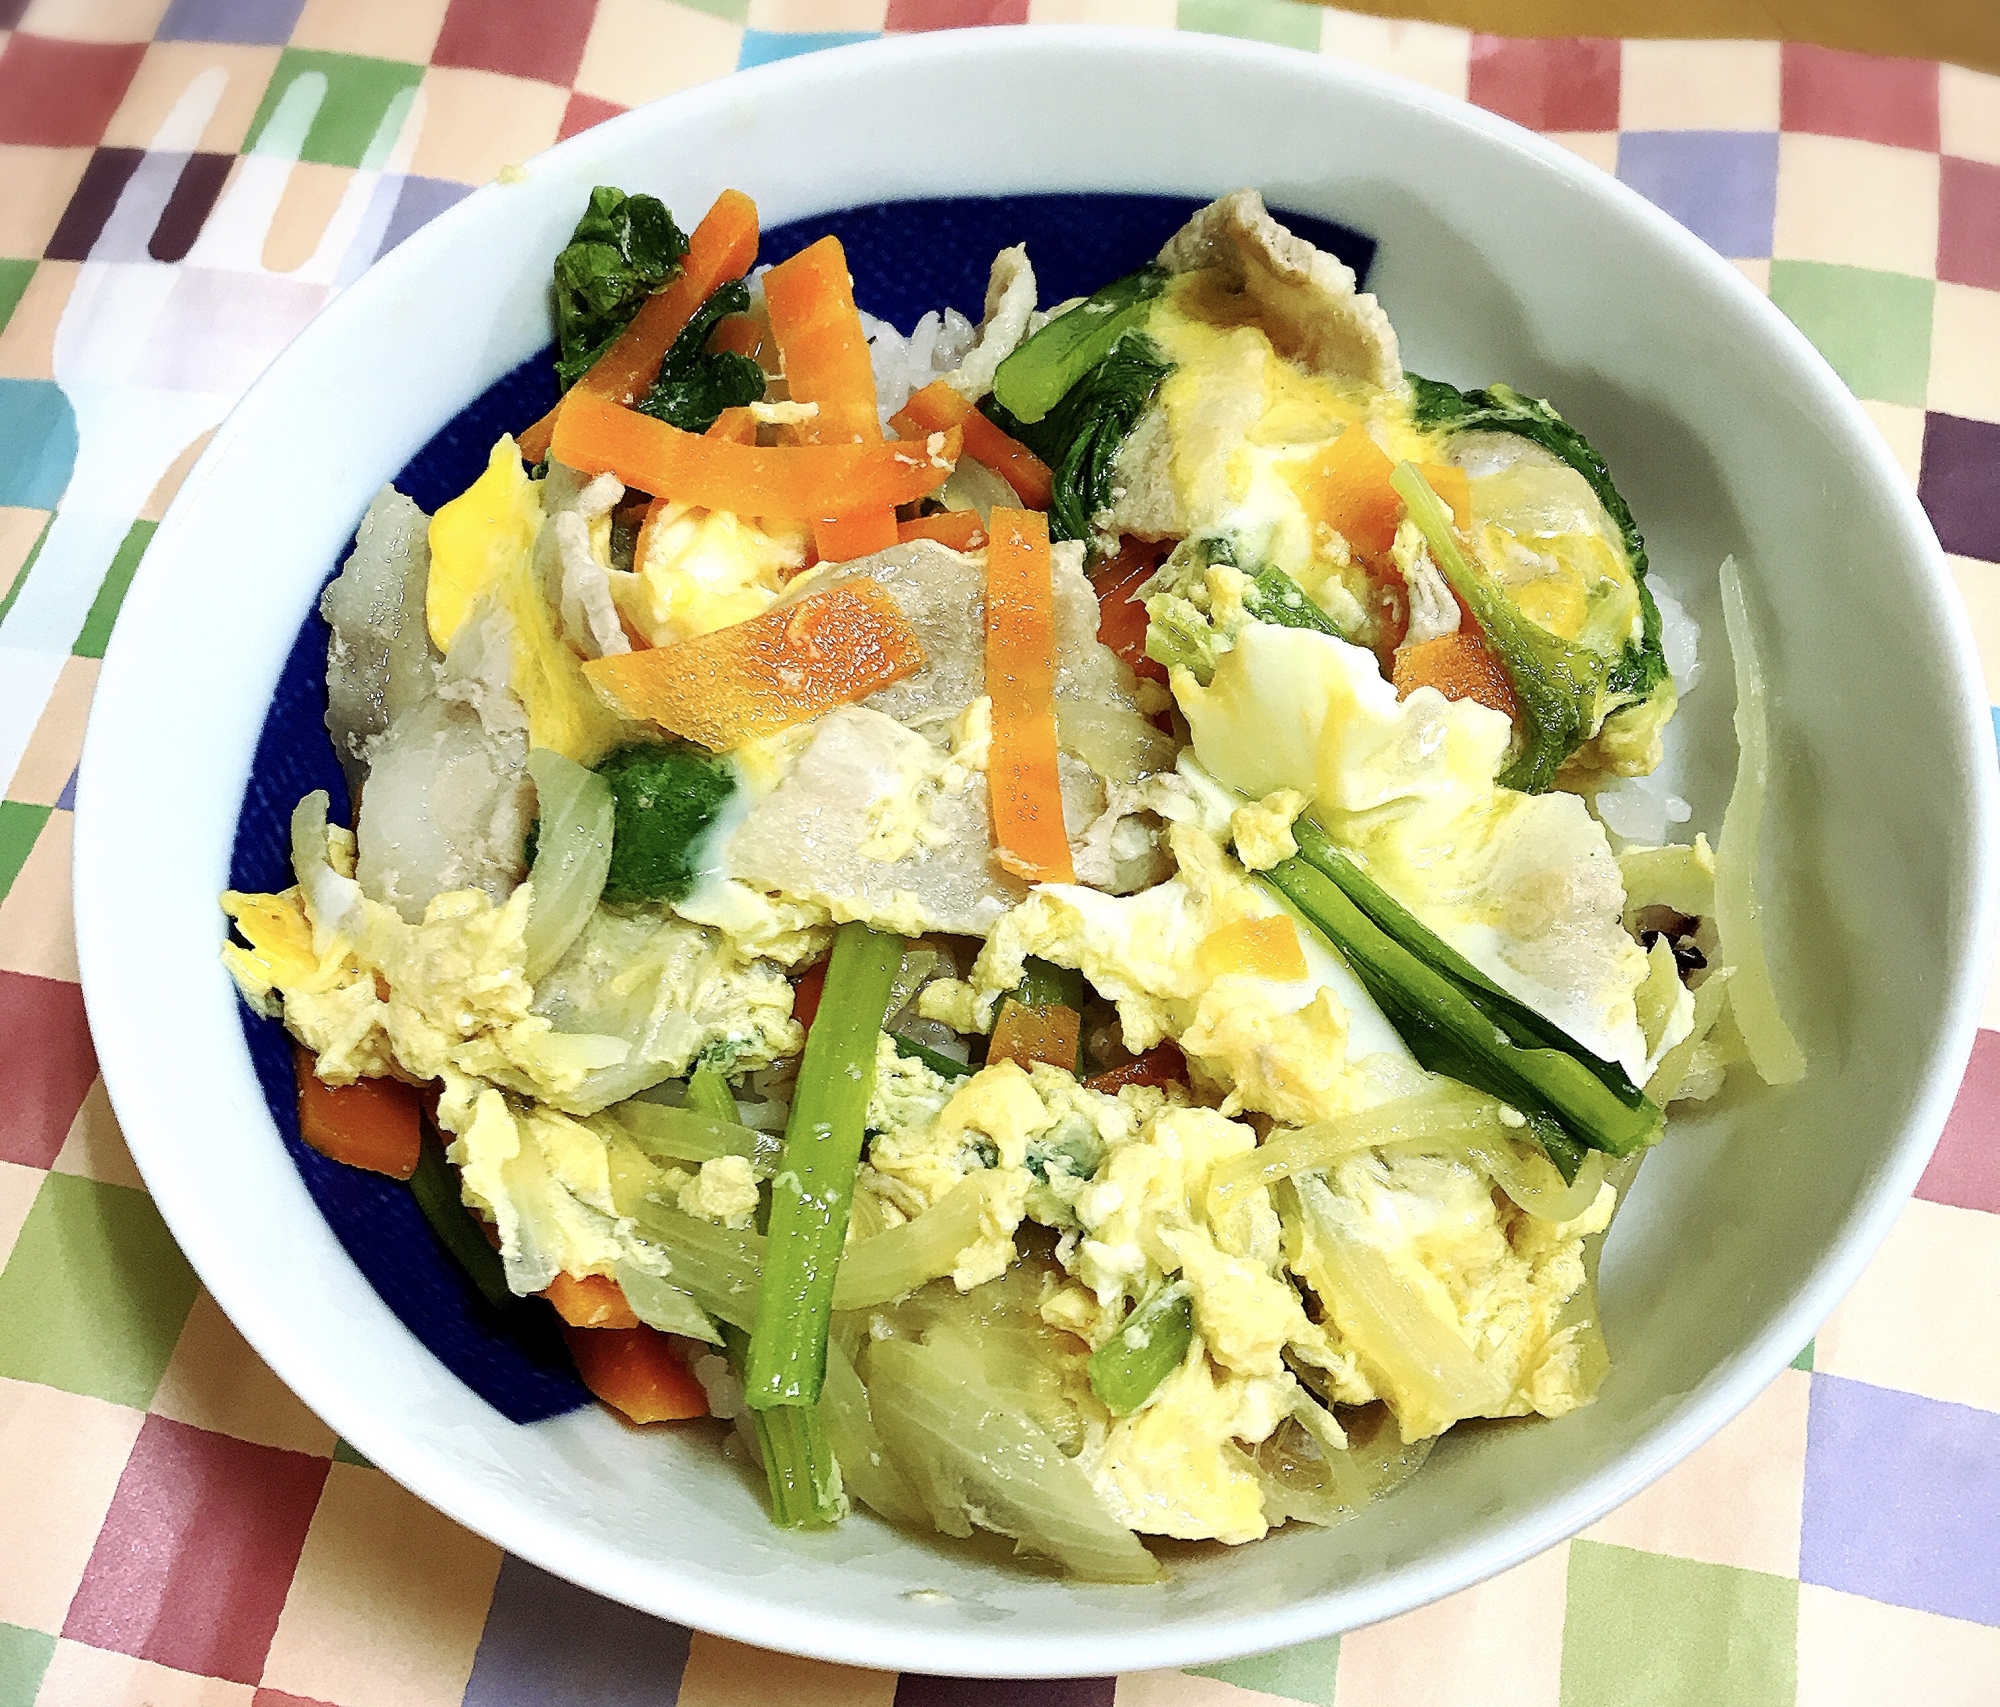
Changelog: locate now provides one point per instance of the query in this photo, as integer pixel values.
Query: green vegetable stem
(1557, 686)
(623, 249)
(1038, 375)
(1458, 1023)
(813, 1189)
(1126, 1368)
(1080, 433)
(435, 1187)
(798, 1462)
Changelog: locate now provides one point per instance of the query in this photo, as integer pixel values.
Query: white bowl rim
(99, 866)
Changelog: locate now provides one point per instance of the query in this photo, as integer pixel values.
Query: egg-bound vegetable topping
(1041, 916)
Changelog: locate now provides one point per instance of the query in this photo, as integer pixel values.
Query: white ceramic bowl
(1501, 257)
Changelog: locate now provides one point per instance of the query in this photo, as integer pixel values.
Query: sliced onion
(1527, 1176)
(874, 1271)
(1113, 740)
(572, 854)
(1739, 919)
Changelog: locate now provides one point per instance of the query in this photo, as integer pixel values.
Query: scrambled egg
(1524, 886)
(1290, 1047)
(705, 569)
(372, 995)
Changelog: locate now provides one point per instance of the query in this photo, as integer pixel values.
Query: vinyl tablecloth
(176, 1529)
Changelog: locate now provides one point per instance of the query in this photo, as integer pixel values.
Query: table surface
(176, 1529)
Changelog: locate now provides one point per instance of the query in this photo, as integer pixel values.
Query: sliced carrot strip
(372, 1123)
(1347, 487)
(962, 530)
(939, 405)
(1121, 618)
(636, 1371)
(812, 482)
(722, 247)
(754, 678)
(1163, 1064)
(1255, 948)
(734, 426)
(1459, 665)
(810, 299)
(1021, 779)
(1029, 1034)
(1453, 487)
(590, 1301)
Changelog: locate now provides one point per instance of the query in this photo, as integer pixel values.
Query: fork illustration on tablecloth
(152, 355)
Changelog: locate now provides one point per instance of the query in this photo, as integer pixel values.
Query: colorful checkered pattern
(185, 184)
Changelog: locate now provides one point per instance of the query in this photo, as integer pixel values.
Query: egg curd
(1064, 977)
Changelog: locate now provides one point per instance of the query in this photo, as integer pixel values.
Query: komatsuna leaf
(1502, 409)
(623, 249)
(695, 383)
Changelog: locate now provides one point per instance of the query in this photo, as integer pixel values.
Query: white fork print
(152, 355)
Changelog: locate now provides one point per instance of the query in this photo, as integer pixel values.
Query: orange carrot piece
(1453, 487)
(812, 482)
(636, 1371)
(722, 247)
(735, 427)
(1459, 665)
(1255, 948)
(1161, 1065)
(939, 405)
(1121, 618)
(756, 677)
(962, 530)
(372, 1123)
(1347, 487)
(590, 1301)
(741, 335)
(1028, 834)
(1029, 1034)
(810, 299)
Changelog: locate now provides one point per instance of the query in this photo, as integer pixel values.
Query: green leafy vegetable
(1502, 409)
(1180, 632)
(666, 796)
(813, 1190)
(1456, 1021)
(1080, 435)
(1558, 687)
(1126, 1368)
(435, 1187)
(1044, 370)
(623, 249)
(696, 383)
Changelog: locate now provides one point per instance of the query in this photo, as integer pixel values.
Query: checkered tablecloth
(177, 1530)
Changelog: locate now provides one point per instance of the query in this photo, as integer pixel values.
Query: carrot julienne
(939, 405)
(722, 247)
(962, 530)
(372, 1123)
(636, 1371)
(1022, 783)
(810, 299)
(590, 1301)
(756, 677)
(809, 482)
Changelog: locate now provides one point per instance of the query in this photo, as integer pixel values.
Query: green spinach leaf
(696, 383)
(624, 248)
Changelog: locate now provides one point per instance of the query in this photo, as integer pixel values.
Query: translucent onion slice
(1115, 741)
(660, 1304)
(572, 854)
(1527, 1176)
(866, 1471)
(874, 1271)
(1739, 919)
(1305, 1480)
(973, 1457)
(1709, 1002)
(1433, 1377)
(682, 1137)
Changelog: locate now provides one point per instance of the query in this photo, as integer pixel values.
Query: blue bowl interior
(907, 257)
